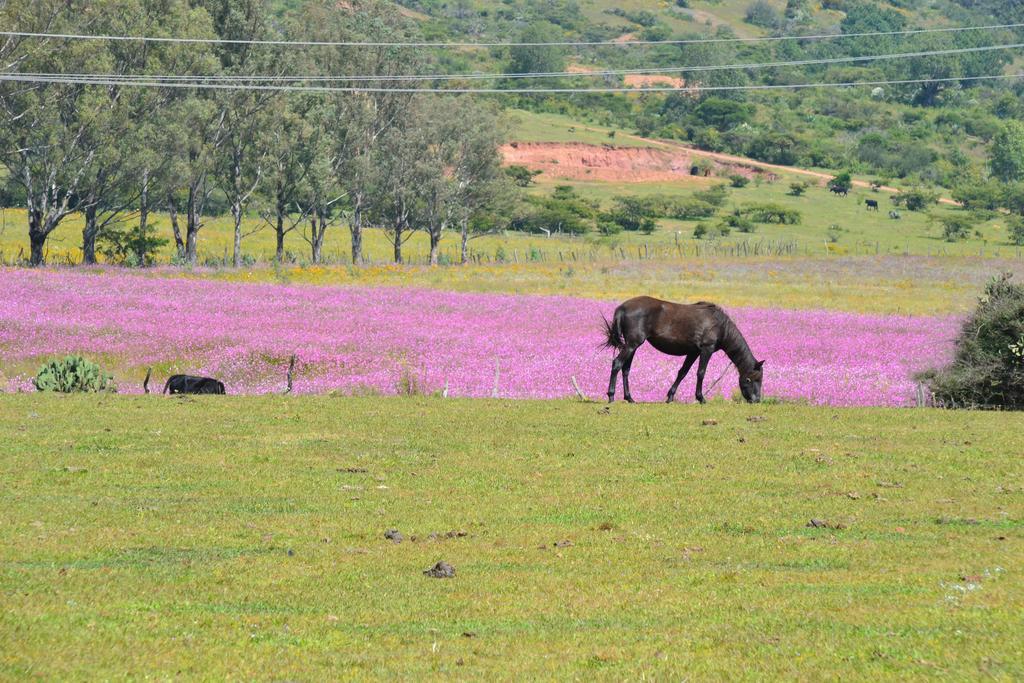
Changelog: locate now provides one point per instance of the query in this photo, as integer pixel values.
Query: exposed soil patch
(578, 161)
(653, 80)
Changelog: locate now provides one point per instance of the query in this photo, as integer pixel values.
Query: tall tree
(463, 138)
(1006, 156)
(47, 139)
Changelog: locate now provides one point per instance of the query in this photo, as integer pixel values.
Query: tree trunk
(316, 238)
(236, 256)
(172, 210)
(465, 240)
(281, 208)
(355, 226)
(140, 249)
(435, 244)
(399, 227)
(37, 237)
(192, 224)
(89, 233)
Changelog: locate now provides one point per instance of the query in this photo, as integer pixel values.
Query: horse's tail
(613, 331)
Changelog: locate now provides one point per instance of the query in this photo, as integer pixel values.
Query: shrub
(692, 209)
(739, 222)
(135, 247)
(915, 199)
(760, 13)
(715, 195)
(771, 213)
(956, 227)
(521, 176)
(797, 189)
(1016, 230)
(988, 362)
(71, 375)
(702, 230)
(737, 180)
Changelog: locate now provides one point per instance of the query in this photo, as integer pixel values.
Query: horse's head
(750, 383)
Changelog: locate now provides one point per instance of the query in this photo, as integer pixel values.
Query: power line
(593, 43)
(227, 78)
(64, 79)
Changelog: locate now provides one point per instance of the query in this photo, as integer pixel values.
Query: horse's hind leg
(616, 366)
(690, 360)
(626, 365)
(622, 362)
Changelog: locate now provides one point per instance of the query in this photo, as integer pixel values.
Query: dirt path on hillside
(733, 159)
(657, 161)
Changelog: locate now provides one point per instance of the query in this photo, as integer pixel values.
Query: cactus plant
(71, 375)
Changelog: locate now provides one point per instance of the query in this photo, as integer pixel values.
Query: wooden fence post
(291, 374)
(497, 376)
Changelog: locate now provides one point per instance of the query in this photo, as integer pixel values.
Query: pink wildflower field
(394, 340)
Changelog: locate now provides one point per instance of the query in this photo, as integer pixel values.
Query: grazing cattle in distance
(842, 191)
(895, 215)
(695, 331)
(189, 384)
(872, 204)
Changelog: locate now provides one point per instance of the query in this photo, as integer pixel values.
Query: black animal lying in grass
(187, 384)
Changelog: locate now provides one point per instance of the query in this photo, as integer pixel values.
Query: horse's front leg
(690, 360)
(705, 356)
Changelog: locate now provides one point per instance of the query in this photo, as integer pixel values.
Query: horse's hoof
(629, 399)
(700, 399)
(670, 399)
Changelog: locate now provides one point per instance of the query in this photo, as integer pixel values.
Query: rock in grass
(394, 535)
(441, 570)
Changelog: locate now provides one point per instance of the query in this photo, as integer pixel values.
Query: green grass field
(157, 538)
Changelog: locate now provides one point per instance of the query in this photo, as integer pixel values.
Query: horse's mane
(717, 313)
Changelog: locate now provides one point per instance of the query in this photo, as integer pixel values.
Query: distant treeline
(301, 161)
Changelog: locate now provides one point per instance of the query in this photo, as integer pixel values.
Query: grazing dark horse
(872, 204)
(188, 384)
(842, 191)
(695, 331)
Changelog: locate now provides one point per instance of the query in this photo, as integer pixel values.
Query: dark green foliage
(797, 189)
(761, 13)
(564, 211)
(72, 374)
(723, 114)
(1016, 231)
(537, 58)
(988, 363)
(771, 213)
(956, 227)
(521, 176)
(692, 209)
(135, 247)
(715, 195)
(739, 222)
(979, 194)
(916, 199)
(737, 180)
(634, 214)
(1007, 155)
(841, 183)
